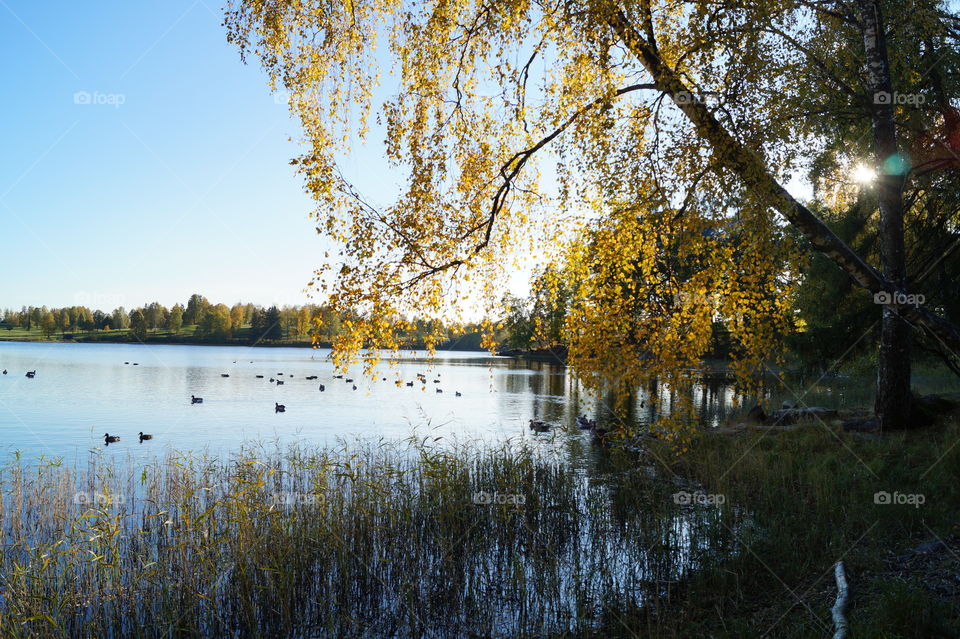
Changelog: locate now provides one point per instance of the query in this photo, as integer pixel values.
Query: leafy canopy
(543, 128)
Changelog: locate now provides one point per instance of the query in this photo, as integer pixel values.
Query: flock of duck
(583, 423)
(111, 439)
(281, 408)
(536, 425)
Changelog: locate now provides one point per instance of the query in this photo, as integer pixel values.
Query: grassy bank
(414, 539)
(188, 336)
(812, 497)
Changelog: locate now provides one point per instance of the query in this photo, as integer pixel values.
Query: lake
(543, 534)
(82, 391)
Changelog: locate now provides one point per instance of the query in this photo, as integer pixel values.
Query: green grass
(810, 495)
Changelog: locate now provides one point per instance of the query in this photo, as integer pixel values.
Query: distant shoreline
(554, 355)
(155, 341)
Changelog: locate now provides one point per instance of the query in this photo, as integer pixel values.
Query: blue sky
(142, 161)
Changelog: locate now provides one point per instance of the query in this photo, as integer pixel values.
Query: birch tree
(644, 144)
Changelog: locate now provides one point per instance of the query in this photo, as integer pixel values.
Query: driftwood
(839, 608)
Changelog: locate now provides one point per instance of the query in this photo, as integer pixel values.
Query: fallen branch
(839, 620)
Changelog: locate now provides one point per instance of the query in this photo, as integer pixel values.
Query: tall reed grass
(365, 539)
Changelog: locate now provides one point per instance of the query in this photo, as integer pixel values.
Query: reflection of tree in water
(712, 393)
(552, 393)
(546, 386)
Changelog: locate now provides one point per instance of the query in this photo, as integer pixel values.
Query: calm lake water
(594, 533)
(82, 391)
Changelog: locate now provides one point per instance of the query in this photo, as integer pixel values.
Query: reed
(361, 538)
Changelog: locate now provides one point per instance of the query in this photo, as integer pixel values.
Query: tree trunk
(892, 405)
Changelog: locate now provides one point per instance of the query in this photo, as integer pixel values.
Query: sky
(142, 161)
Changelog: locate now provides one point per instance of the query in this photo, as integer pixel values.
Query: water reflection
(84, 390)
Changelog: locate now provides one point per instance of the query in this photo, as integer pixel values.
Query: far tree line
(201, 320)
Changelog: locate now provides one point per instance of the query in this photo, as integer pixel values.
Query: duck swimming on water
(539, 426)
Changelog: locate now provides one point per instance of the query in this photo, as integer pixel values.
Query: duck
(338, 376)
(196, 400)
(436, 381)
(439, 390)
(136, 363)
(354, 387)
(260, 377)
(599, 434)
(410, 384)
(126, 362)
(109, 439)
(279, 408)
(585, 424)
(272, 380)
(458, 393)
(539, 426)
(322, 388)
(224, 375)
(143, 437)
(348, 381)
(279, 382)
(4, 371)
(31, 374)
